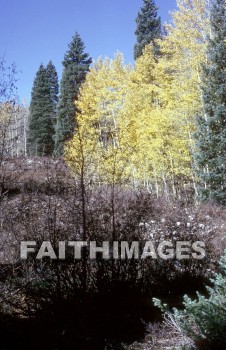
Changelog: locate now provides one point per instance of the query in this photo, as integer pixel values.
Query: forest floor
(39, 197)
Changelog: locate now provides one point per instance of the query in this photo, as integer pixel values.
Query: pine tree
(148, 27)
(76, 65)
(54, 87)
(203, 319)
(43, 111)
(211, 132)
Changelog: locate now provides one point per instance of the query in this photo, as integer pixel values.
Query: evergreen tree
(76, 64)
(148, 27)
(53, 83)
(54, 89)
(202, 321)
(211, 132)
(43, 111)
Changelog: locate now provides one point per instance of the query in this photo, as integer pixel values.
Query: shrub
(204, 319)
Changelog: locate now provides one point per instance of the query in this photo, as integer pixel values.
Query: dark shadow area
(100, 322)
(97, 323)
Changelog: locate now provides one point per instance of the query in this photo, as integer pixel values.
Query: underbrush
(199, 325)
(53, 208)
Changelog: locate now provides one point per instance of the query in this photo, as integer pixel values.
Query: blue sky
(36, 31)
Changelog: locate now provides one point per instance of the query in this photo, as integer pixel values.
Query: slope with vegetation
(143, 155)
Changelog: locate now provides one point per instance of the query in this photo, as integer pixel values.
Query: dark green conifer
(148, 27)
(210, 137)
(76, 65)
(43, 112)
(54, 86)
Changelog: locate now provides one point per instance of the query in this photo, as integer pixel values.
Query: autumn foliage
(136, 124)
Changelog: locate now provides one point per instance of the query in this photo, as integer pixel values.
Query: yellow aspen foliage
(158, 150)
(135, 125)
(100, 102)
(183, 52)
(142, 137)
(7, 120)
